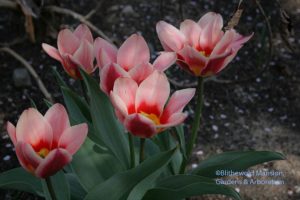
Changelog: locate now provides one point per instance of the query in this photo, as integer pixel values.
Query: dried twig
(79, 17)
(93, 11)
(8, 4)
(194, 84)
(31, 71)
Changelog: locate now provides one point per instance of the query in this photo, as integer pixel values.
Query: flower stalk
(142, 149)
(131, 149)
(50, 188)
(196, 123)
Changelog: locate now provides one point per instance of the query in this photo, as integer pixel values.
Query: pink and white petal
(140, 126)
(58, 119)
(53, 162)
(177, 102)
(34, 129)
(29, 156)
(133, 51)
(216, 64)
(170, 37)
(152, 94)
(52, 52)
(195, 60)
(209, 18)
(73, 138)
(173, 120)
(71, 67)
(192, 31)
(84, 56)
(120, 116)
(67, 42)
(109, 74)
(104, 52)
(83, 32)
(239, 40)
(164, 61)
(11, 129)
(224, 44)
(118, 103)
(125, 90)
(141, 72)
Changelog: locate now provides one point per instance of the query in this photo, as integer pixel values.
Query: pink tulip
(74, 50)
(202, 48)
(130, 60)
(141, 108)
(45, 144)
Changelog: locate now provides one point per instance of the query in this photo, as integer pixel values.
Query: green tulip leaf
(120, 185)
(19, 179)
(182, 186)
(234, 161)
(60, 187)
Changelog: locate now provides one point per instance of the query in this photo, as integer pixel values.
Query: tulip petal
(216, 64)
(34, 129)
(83, 32)
(195, 60)
(27, 156)
(133, 51)
(11, 129)
(224, 44)
(177, 102)
(109, 74)
(67, 42)
(211, 18)
(173, 120)
(73, 138)
(52, 52)
(170, 37)
(191, 30)
(84, 56)
(124, 91)
(54, 162)
(58, 119)
(164, 61)
(152, 94)
(239, 40)
(140, 126)
(141, 72)
(105, 52)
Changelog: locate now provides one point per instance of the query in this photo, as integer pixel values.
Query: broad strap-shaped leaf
(119, 186)
(104, 120)
(183, 186)
(234, 161)
(60, 186)
(77, 191)
(19, 179)
(94, 165)
(179, 131)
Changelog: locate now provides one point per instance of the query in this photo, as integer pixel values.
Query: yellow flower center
(153, 117)
(43, 152)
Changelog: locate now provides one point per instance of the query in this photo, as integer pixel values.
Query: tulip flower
(202, 48)
(141, 108)
(45, 144)
(75, 49)
(130, 60)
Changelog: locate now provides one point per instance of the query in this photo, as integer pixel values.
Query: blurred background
(253, 104)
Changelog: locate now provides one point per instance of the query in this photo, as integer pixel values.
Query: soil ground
(253, 104)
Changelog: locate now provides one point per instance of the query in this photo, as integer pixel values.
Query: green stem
(131, 148)
(196, 123)
(50, 188)
(142, 149)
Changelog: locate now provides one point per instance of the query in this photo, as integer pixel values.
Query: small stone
(215, 128)
(199, 153)
(270, 109)
(128, 11)
(194, 165)
(21, 77)
(6, 158)
(222, 116)
(8, 145)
